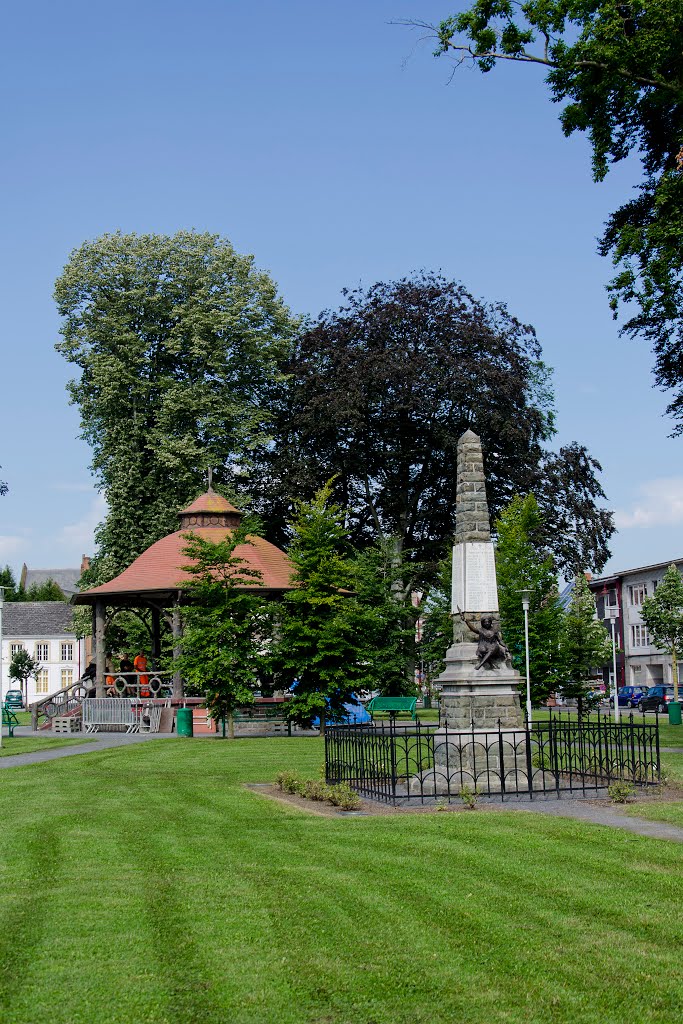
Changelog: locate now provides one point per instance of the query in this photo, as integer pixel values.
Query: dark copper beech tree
(378, 393)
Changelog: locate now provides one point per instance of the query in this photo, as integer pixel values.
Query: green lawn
(144, 885)
(28, 744)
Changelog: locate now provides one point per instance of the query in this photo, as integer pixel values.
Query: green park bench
(10, 720)
(392, 705)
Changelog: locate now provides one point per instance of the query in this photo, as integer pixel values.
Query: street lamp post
(612, 613)
(526, 602)
(2, 601)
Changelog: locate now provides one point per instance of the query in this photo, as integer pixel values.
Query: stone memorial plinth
(475, 695)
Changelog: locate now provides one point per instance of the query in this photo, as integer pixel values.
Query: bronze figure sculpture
(491, 647)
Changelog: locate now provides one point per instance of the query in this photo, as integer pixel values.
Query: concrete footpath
(91, 744)
(580, 810)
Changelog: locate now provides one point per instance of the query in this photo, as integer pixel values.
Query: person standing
(140, 664)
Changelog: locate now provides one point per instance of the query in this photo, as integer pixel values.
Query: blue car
(629, 696)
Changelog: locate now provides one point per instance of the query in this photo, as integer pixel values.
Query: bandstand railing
(68, 701)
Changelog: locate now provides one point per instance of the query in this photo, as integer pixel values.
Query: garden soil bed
(369, 808)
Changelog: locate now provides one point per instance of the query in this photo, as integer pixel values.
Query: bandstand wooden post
(100, 659)
(177, 630)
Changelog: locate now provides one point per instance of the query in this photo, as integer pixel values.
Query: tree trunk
(231, 726)
(322, 723)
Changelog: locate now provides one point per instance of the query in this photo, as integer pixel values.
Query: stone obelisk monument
(479, 687)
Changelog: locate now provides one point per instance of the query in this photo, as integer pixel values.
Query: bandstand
(154, 583)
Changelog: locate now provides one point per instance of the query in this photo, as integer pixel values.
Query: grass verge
(12, 745)
(144, 884)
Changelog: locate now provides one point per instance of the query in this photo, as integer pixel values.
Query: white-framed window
(67, 652)
(67, 677)
(639, 637)
(14, 648)
(611, 599)
(42, 681)
(638, 593)
(42, 652)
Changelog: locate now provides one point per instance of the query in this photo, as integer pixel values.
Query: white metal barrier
(105, 712)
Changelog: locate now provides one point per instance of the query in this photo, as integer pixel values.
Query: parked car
(656, 699)
(14, 699)
(629, 696)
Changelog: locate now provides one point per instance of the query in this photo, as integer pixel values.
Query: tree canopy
(585, 644)
(524, 562)
(222, 648)
(21, 668)
(663, 616)
(324, 634)
(617, 70)
(177, 340)
(379, 393)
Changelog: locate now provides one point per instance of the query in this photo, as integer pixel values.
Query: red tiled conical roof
(160, 567)
(210, 502)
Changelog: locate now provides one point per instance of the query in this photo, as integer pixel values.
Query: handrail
(131, 684)
(126, 684)
(62, 702)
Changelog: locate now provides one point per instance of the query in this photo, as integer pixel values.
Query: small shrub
(315, 789)
(619, 792)
(469, 797)
(288, 782)
(343, 796)
(541, 759)
(442, 804)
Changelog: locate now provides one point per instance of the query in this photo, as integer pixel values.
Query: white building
(43, 628)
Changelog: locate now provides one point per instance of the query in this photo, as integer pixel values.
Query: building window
(42, 652)
(42, 681)
(638, 593)
(67, 677)
(611, 599)
(67, 652)
(639, 637)
(13, 648)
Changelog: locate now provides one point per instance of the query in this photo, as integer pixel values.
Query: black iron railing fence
(392, 762)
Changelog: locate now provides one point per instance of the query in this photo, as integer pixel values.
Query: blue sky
(331, 145)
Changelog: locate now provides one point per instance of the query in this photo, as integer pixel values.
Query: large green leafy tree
(47, 591)
(8, 581)
(436, 623)
(585, 644)
(663, 615)
(325, 634)
(225, 625)
(524, 562)
(389, 625)
(380, 391)
(177, 340)
(617, 69)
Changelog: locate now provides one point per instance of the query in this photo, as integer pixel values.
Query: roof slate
(36, 618)
(66, 579)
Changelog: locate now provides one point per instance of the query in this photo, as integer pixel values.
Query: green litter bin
(183, 722)
(674, 714)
